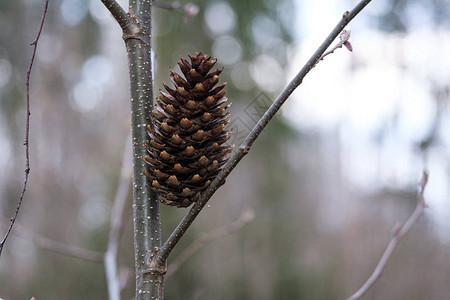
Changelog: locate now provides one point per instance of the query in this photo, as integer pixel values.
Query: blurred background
(327, 181)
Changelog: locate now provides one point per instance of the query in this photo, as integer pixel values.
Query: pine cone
(186, 150)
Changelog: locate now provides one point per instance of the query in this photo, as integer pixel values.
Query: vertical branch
(27, 130)
(147, 226)
(112, 276)
(137, 27)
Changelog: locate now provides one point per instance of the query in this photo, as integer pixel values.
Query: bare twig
(27, 129)
(246, 217)
(188, 10)
(57, 247)
(161, 256)
(399, 233)
(343, 40)
(112, 274)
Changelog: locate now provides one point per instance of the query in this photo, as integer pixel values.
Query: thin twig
(176, 235)
(399, 233)
(188, 10)
(343, 40)
(112, 274)
(27, 129)
(246, 217)
(57, 247)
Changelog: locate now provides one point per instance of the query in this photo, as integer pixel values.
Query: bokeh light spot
(220, 18)
(227, 49)
(73, 11)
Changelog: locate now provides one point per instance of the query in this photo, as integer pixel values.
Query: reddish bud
(348, 45)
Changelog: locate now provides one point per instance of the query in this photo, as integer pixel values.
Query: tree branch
(27, 129)
(176, 235)
(147, 226)
(344, 40)
(117, 12)
(111, 271)
(246, 217)
(399, 233)
(128, 22)
(188, 10)
(137, 28)
(58, 247)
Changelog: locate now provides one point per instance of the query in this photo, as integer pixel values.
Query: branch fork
(161, 256)
(150, 256)
(344, 38)
(133, 30)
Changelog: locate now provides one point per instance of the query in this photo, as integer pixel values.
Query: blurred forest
(325, 190)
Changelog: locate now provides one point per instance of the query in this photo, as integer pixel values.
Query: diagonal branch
(161, 256)
(344, 37)
(399, 233)
(117, 12)
(27, 129)
(58, 247)
(246, 217)
(188, 10)
(128, 22)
